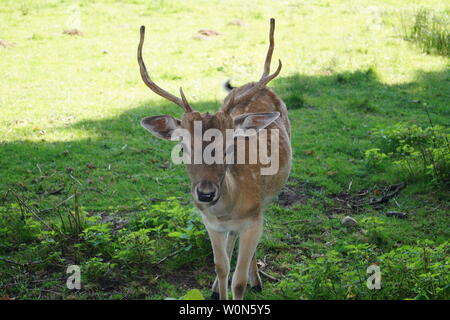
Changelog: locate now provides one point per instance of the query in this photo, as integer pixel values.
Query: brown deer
(232, 196)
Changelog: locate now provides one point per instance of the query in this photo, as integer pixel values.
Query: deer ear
(161, 126)
(249, 123)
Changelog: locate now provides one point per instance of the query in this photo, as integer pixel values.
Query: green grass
(70, 112)
(430, 31)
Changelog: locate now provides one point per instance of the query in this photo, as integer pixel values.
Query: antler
(270, 51)
(265, 78)
(153, 86)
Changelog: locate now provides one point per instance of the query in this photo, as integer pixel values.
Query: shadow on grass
(124, 164)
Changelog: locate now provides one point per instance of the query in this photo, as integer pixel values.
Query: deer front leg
(248, 241)
(231, 240)
(221, 261)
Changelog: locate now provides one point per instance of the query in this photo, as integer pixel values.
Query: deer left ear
(249, 123)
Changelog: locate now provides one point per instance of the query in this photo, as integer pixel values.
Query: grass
(430, 30)
(74, 157)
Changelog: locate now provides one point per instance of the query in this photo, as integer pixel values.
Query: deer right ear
(249, 123)
(161, 126)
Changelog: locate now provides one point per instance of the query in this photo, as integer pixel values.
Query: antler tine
(185, 102)
(153, 86)
(265, 78)
(259, 85)
(270, 51)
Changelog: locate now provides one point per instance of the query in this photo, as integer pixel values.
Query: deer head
(207, 179)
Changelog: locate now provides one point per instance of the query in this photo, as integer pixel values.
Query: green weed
(430, 30)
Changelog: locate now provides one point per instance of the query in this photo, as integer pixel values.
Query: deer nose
(206, 191)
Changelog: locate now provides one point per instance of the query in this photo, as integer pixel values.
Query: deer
(231, 197)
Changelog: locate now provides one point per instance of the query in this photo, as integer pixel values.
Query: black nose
(205, 197)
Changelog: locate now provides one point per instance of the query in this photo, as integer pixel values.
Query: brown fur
(244, 191)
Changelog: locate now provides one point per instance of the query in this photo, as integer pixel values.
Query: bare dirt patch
(236, 22)
(73, 32)
(6, 44)
(183, 278)
(205, 34)
(348, 203)
(296, 192)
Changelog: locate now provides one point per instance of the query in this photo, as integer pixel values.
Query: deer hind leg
(253, 275)
(221, 262)
(248, 241)
(231, 240)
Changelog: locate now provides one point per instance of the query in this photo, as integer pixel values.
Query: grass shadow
(120, 166)
(330, 114)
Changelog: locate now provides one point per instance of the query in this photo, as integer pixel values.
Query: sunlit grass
(71, 105)
(430, 30)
